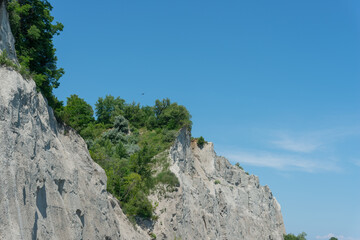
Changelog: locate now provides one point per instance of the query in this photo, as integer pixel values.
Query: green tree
(33, 29)
(301, 236)
(134, 113)
(239, 166)
(109, 107)
(171, 115)
(77, 113)
(333, 238)
(201, 142)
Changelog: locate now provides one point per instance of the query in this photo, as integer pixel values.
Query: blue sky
(274, 84)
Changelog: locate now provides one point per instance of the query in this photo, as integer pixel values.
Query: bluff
(215, 200)
(6, 40)
(50, 188)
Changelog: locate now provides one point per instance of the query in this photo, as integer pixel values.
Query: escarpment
(50, 188)
(6, 39)
(215, 200)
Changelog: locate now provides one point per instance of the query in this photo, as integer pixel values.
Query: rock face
(6, 38)
(215, 200)
(50, 188)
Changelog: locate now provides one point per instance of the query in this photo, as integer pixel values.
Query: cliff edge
(50, 188)
(7, 41)
(215, 200)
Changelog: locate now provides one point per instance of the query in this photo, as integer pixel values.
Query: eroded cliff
(6, 39)
(215, 200)
(50, 188)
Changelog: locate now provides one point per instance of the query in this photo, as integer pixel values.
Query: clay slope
(215, 200)
(50, 188)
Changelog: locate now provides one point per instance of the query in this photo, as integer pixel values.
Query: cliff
(215, 200)
(6, 39)
(50, 188)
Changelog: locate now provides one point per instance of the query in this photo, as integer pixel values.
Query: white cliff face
(215, 200)
(50, 188)
(6, 38)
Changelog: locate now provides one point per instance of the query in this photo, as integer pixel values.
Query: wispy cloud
(312, 151)
(296, 145)
(340, 237)
(283, 162)
(311, 141)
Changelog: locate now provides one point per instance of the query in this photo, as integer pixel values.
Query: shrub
(217, 182)
(238, 165)
(301, 236)
(77, 113)
(168, 177)
(201, 142)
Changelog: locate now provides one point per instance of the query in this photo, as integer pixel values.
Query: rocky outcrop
(50, 188)
(6, 38)
(215, 200)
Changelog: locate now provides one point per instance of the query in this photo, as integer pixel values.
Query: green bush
(126, 140)
(301, 236)
(168, 177)
(201, 142)
(33, 29)
(217, 182)
(238, 165)
(77, 113)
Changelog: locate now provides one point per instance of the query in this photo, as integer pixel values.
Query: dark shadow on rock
(41, 202)
(35, 228)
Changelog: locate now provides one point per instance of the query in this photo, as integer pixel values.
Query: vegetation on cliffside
(128, 141)
(33, 29)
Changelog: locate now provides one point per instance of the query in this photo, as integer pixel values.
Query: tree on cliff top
(33, 29)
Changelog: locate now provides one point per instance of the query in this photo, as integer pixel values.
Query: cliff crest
(7, 41)
(215, 200)
(52, 189)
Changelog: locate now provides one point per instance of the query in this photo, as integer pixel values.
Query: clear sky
(274, 84)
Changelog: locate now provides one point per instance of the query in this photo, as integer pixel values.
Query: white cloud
(307, 142)
(283, 162)
(303, 145)
(340, 237)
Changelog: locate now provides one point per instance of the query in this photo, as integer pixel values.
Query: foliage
(5, 61)
(238, 165)
(126, 140)
(201, 142)
(301, 236)
(333, 238)
(33, 29)
(153, 235)
(217, 181)
(171, 115)
(77, 113)
(108, 107)
(168, 177)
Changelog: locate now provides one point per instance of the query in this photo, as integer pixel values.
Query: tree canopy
(301, 236)
(33, 29)
(127, 140)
